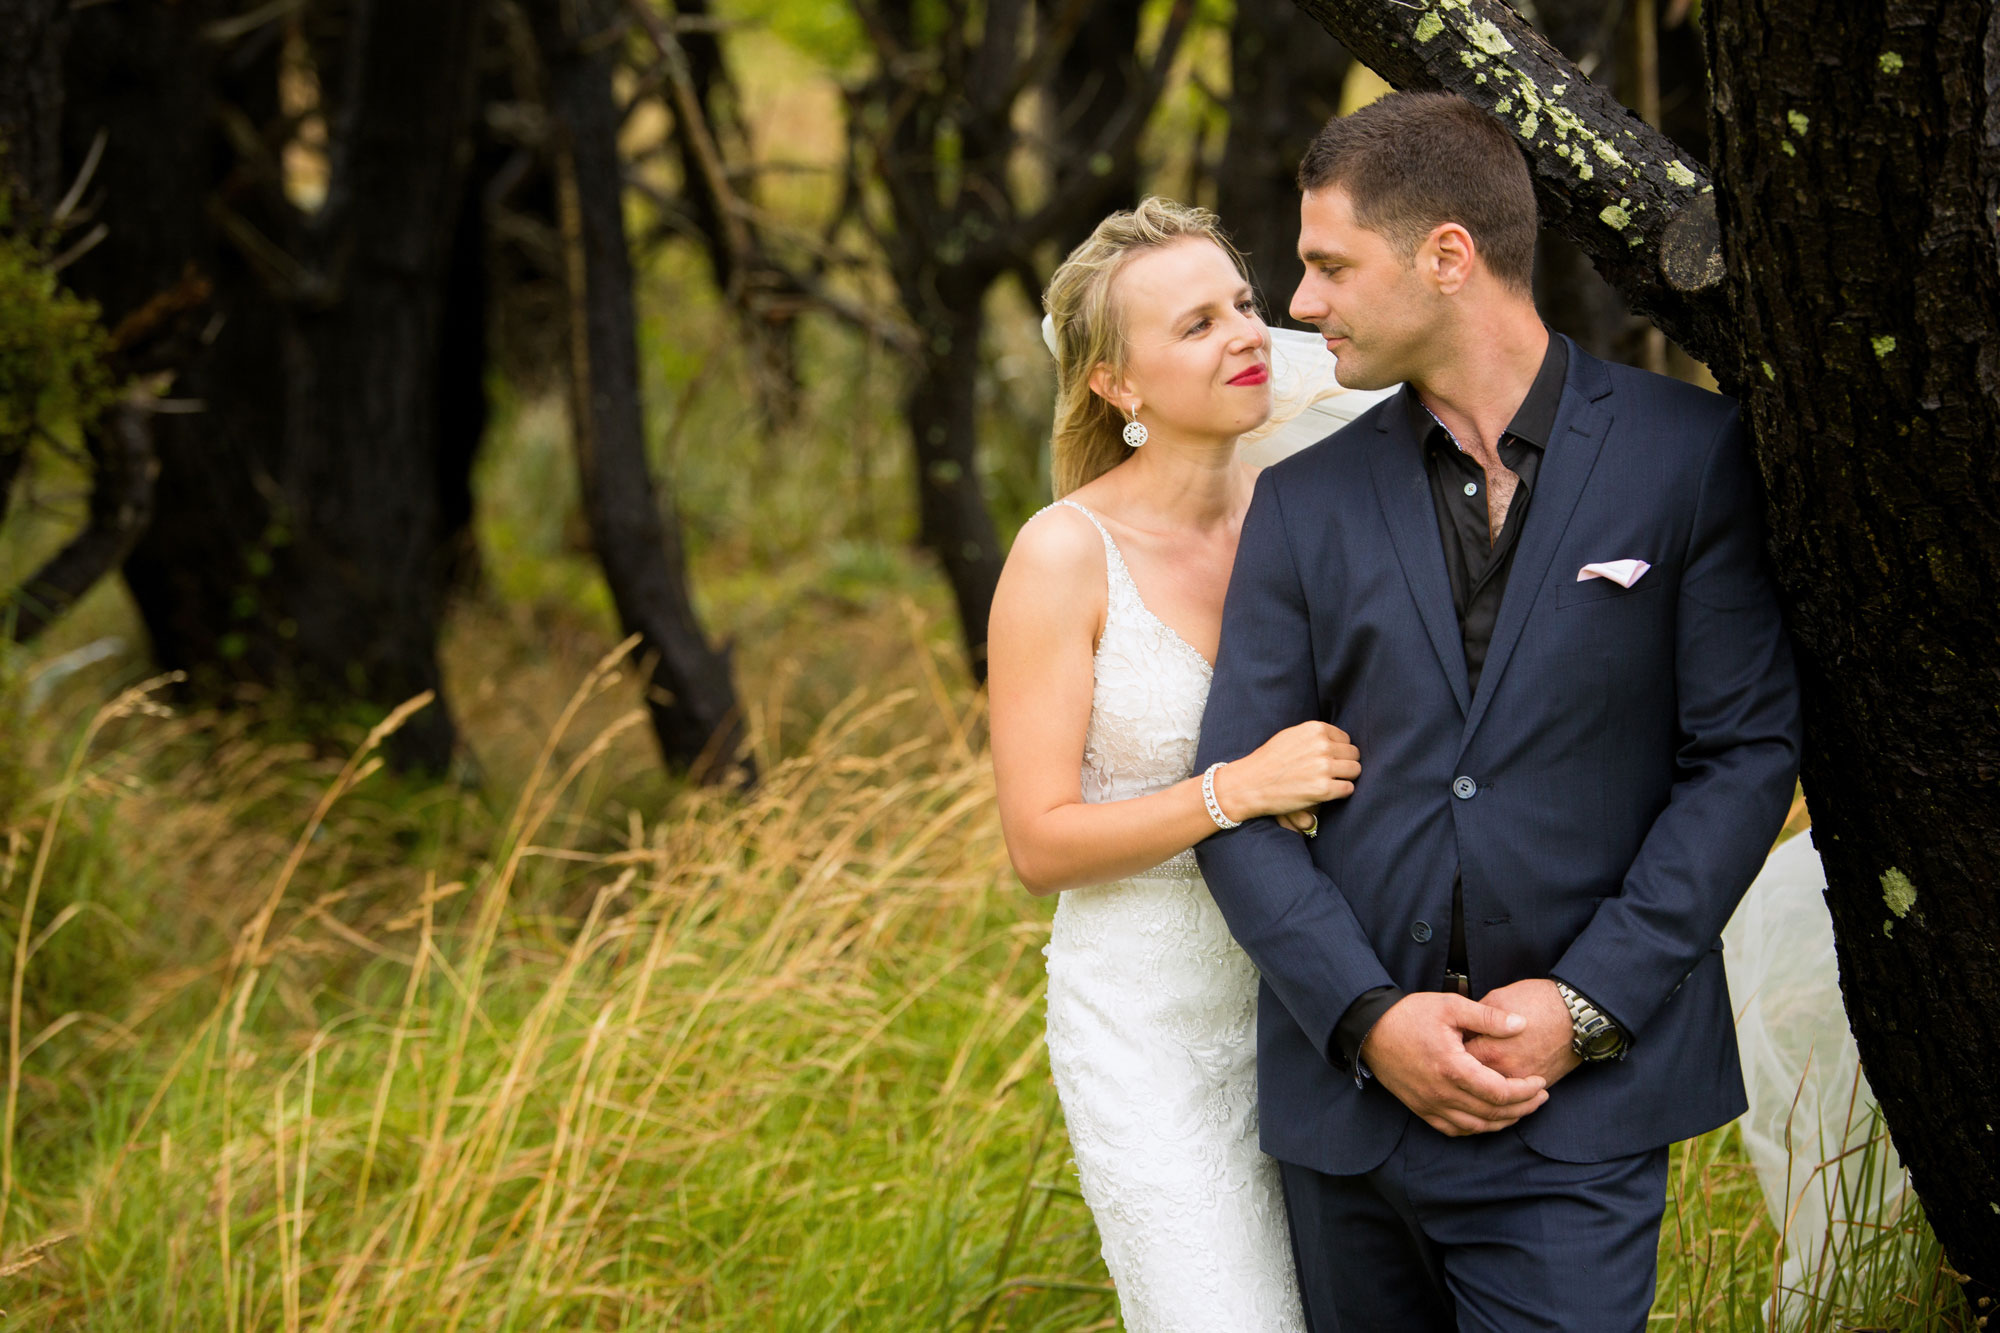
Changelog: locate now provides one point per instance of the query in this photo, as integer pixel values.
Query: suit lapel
(1581, 425)
(1403, 488)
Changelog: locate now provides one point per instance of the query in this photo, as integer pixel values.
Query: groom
(1531, 587)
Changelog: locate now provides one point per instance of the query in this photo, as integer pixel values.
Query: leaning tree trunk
(693, 704)
(1285, 77)
(1858, 318)
(1572, 296)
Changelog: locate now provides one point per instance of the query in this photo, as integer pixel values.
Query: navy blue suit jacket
(1630, 754)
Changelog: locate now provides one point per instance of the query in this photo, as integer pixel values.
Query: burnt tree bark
(1573, 297)
(1605, 41)
(692, 702)
(32, 34)
(298, 539)
(1857, 317)
(1858, 151)
(1285, 77)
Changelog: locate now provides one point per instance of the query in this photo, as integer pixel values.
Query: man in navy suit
(1531, 587)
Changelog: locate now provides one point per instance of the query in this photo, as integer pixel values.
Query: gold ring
(1312, 830)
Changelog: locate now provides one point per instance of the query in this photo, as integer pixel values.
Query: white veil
(1809, 1103)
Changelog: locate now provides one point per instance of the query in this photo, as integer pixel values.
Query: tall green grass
(781, 1070)
(760, 1062)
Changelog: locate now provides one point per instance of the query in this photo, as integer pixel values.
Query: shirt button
(1472, 488)
(1421, 932)
(1464, 788)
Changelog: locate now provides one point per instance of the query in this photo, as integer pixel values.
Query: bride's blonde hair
(1087, 441)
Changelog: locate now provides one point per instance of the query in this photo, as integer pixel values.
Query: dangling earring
(1135, 429)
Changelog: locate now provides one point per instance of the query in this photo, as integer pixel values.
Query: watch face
(1601, 1045)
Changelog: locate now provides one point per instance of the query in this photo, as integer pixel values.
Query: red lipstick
(1253, 376)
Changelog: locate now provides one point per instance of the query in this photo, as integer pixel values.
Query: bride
(1103, 629)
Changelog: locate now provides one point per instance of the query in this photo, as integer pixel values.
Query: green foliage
(827, 30)
(52, 347)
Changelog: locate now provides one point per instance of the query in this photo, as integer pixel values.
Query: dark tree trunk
(32, 36)
(299, 540)
(464, 351)
(1098, 73)
(1285, 78)
(1857, 158)
(693, 703)
(941, 409)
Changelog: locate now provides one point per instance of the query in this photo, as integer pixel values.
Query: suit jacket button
(1464, 788)
(1421, 932)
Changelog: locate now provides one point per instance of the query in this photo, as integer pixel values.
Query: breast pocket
(1608, 590)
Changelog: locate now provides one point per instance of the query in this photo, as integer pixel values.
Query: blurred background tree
(338, 221)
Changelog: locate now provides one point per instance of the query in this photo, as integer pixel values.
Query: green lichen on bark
(1898, 892)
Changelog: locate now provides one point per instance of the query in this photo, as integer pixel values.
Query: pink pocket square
(1624, 573)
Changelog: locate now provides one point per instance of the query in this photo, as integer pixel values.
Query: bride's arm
(1047, 613)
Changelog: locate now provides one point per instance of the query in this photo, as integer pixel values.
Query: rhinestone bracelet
(1208, 798)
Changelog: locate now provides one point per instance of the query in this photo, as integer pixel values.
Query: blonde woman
(1103, 632)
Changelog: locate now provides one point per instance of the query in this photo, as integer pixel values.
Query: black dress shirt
(1477, 562)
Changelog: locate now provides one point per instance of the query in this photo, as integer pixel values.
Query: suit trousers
(1479, 1234)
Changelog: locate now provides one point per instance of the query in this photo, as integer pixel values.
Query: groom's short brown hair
(1411, 161)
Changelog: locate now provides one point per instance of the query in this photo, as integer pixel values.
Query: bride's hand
(1296, 770)
(1301, 821)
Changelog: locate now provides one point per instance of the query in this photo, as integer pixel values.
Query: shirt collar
(1534, 420)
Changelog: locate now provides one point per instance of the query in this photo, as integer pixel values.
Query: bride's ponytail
(1086, 442)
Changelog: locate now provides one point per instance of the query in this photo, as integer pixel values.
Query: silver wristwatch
(1593, 1035)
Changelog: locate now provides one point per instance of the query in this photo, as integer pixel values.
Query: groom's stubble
(1364, 295)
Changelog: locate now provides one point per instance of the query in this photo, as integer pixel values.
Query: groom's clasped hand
(1470, 1067)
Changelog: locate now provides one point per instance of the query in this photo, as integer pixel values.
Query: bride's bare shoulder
(1060, 541)
(1052, 588)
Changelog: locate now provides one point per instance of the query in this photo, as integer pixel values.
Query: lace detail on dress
(1150, 686)
(1151, 1024)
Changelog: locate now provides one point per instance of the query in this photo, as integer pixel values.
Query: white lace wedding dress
(1151, 1026)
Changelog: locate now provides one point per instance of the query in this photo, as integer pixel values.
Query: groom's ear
(1449, 255)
